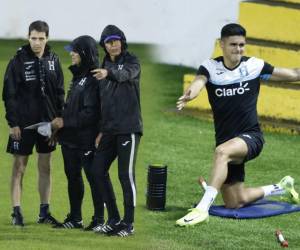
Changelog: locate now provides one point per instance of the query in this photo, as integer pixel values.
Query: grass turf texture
(182, 142)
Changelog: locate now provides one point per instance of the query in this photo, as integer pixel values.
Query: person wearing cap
(78, 130)
(120, 128)
(33, 92)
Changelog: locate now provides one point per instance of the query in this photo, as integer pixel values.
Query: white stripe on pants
(130, 171)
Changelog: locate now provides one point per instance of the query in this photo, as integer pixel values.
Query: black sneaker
(95, 225)
(70, 223)
(109, 227)
(17, 219)
(123, 230)
(49, 219)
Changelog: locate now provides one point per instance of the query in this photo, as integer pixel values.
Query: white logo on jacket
(88, 152)
(125, 143)
(120, 66)
(16, 145)
(51, 65)
(82, 81)
(29, 71)
(246, 135)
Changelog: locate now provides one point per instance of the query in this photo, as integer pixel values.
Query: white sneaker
(194, 217)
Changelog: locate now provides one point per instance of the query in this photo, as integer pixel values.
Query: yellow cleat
(194, 217)
(287, 183)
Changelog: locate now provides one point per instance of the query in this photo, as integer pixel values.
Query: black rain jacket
(81, 111)
(120, 91)
(33, 89)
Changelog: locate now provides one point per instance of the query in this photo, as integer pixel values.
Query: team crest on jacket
(243, 71)
(82, 81)
(51, 65)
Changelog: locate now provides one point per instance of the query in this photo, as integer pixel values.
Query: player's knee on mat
(240, 202)
(232, 205)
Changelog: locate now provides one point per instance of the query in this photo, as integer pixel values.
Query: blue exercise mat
(259, 209)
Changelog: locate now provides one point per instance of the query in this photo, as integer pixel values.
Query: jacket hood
(112, 30)
(86, 47)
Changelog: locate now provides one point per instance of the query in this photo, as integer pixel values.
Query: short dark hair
(39, 26)
(233, 29)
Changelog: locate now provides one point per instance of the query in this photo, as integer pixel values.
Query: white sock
(272, 190)
(208, 198)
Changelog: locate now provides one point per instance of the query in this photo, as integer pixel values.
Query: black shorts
(24, 146)
(255, 143)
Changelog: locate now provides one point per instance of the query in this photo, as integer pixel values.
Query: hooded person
(77, 130)
(120, 128)
(86, 47)
(112, 32)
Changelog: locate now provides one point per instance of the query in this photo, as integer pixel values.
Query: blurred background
(184, 32)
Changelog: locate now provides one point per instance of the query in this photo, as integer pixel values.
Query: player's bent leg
(236, 195)
(230, 196)
(235, 151)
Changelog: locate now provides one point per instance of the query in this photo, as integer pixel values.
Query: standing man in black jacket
(120, 129)
(33, 92)
(78, 130)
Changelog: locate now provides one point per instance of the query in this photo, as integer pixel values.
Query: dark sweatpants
(74, 160)
(125, 148)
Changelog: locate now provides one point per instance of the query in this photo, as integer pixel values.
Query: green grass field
(182, 142)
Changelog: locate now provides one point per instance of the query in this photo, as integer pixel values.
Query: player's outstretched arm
(192, 91)
(285, 74)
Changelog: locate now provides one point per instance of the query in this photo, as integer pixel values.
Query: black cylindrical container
(156, 187)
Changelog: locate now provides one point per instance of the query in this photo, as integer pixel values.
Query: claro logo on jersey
(220, 92)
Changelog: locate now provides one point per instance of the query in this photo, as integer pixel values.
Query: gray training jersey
(233, 94)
